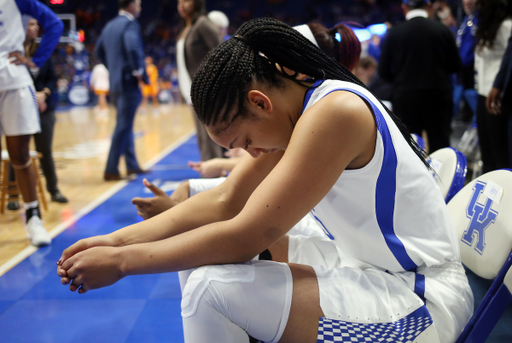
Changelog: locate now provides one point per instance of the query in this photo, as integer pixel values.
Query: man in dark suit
(418, 56)
(500, 96)
(120, 49)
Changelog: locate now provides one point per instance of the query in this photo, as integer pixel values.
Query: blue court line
(35, 307)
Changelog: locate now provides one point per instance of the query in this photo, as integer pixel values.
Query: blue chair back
(451, 169)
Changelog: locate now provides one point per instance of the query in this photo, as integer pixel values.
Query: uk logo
(481, 216)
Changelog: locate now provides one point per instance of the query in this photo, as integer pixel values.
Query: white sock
(32, 204)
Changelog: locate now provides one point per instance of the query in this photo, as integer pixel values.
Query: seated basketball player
(339, 42)
(327, 146)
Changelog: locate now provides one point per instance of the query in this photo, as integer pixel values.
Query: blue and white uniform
(18, 108)
(391, 226)
(388, 269)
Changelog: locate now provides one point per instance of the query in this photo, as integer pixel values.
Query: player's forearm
(212, 244)
(204, 208)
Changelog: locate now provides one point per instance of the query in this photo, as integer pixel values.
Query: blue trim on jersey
(51, 24)
(34, 99)
(386, 185)
(310, 92)
(327, 233)
(419, 286)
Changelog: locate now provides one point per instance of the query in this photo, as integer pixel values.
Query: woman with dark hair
(339, 42)
(389, 265)
(493, 33)
(197, 36)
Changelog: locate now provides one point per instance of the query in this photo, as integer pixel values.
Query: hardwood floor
(80, 148)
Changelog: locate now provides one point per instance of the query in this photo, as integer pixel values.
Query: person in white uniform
(324, 145)
(19, 113)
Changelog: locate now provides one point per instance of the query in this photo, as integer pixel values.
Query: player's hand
(149, 207)
(93, 268)
(210, 168)
(492, 102)
(17, 58)
(41, 101)
(78, 247)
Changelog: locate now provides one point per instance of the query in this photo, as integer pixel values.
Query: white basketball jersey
(389, 213)
(12, 36)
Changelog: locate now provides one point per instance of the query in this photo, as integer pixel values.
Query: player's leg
(26, 178)
(20, 123)
(230, 302)
(18, 148)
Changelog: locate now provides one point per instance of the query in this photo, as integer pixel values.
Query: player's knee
(19, 157)
(204, 282)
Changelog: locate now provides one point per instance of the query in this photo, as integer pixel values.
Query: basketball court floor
(35, 307)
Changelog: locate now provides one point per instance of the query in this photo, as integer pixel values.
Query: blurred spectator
(45, 83)
(493, 32)
(119, 48)
(222, 22)
(418, 56)
(62, 88)
(197, 37)
(151, 89)
(339, 42)
(366, 69)
(442, 11)
(100, 84)
(374, 47)
(466, 42)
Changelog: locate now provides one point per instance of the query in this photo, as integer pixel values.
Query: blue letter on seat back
(481, 216)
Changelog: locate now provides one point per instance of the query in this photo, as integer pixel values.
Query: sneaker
(37, 233)
(13, 205)
(58, 197)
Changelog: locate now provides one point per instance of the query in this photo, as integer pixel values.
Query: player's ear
(259, 100)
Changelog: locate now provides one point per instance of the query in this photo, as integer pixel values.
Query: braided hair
(221, 84)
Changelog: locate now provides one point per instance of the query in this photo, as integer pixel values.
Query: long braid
(221, 84)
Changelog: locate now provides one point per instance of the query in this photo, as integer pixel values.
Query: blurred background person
(119, 48)
(150, 90)
(100, 85)
(499, 99)
(441, 11)
(466, 42)
(19, 115)
(366, 69)
(340, 42)
(493, 33)
(197, 36)
(45, 83)
(374, 47)
(418, 57)
(222, 22)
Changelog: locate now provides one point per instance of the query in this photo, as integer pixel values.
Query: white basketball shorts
(19, 114)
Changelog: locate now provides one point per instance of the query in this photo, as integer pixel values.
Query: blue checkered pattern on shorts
(404, 330)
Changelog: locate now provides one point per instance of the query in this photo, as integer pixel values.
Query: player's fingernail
(59, 261)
